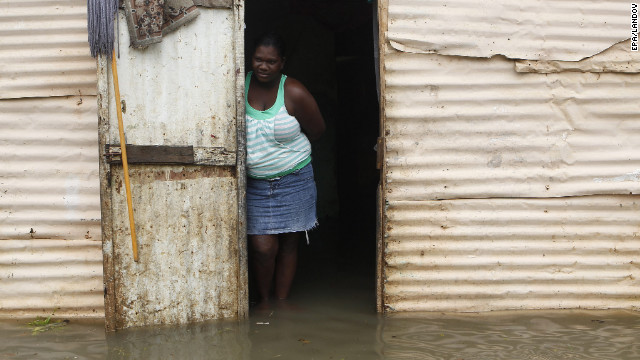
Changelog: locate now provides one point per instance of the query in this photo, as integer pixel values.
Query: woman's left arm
(301, 104)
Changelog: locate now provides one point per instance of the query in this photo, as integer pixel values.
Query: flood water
(333, 317)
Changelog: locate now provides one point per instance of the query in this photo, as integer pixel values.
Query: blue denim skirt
(282, 205)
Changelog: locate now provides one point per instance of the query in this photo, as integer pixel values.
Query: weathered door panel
(183, 116)
(186, 221)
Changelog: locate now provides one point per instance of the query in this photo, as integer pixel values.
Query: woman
(281, 117)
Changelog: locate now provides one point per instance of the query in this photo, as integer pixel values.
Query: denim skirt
(282, 205)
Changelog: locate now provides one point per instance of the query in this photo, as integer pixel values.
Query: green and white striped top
(276, 145)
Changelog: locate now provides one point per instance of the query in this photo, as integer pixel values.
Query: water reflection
(293, 330)
(335, 319)
(320, 331)
(78, 340)
(211, 340)
(525, 335)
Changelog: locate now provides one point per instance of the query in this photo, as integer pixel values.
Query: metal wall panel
(49, 185)
(49, 190)
(618, 58)
(39, 277)
(474, 128)
(50, 236)
(185, 90)
(542, 30)
(186, 225)
(503, 189)
(44, 49)
(186, 79)
(496, 254)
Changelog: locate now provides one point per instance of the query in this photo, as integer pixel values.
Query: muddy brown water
(335, 319)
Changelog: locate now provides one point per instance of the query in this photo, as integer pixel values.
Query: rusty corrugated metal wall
(50, 238)
(509, 182)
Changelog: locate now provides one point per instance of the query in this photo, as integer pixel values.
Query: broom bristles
(100, 17)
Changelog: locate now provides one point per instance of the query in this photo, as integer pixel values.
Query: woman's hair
(272, 39)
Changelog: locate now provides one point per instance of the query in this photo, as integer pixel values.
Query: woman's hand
(301, 104)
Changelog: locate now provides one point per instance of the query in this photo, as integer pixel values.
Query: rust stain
(118, 185)
(147, 175)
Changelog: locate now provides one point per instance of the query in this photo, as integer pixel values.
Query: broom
(100, 18)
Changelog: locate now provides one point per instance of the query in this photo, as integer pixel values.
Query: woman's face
(267, 64)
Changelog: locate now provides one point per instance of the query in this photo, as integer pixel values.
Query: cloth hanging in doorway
(149, 20)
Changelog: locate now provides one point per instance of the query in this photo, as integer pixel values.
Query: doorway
(330, 49)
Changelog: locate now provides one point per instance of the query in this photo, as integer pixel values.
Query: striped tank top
(276, 145)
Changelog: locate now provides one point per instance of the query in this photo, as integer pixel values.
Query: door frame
(380, 21)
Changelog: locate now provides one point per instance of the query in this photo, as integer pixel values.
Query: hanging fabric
(149, 20)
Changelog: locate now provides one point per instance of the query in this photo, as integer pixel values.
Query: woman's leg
(264, 249)
(286, 263)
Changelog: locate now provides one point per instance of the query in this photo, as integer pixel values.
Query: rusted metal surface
(503, 189)
(104, 138)
(382, 12)
(380, 264)
(243, 267)
(43, 49)
(189, 219)
(532, 30)
(186, 222)
(40, 277)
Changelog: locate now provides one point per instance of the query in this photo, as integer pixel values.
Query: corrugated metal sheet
(44, 49)
(538, 30)
(507, 190)
(49, 174)
(49, 190)
(39, 277)
(474, 128)
(182, 91)
(50, 248)
(618, 58)
(495, 254)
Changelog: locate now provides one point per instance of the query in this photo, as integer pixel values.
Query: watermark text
(634, 27)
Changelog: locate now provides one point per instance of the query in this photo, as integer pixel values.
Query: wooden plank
(219, 4)
(151, 154)
(218, 156)
(172, 155)
(160, 154)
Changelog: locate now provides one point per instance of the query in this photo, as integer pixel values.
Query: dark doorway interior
(331, 51)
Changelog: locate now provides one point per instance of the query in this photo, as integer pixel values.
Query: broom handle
(125, 165)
